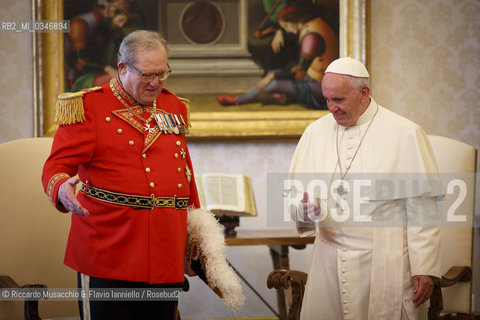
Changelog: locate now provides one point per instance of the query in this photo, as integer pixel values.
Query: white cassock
(362, 271)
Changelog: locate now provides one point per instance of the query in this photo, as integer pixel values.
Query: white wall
(16, 80)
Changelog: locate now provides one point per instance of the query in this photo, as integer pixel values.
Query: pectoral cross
(341, 190)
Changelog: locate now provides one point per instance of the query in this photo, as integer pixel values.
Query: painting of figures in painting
(226, 55)
(251, 69)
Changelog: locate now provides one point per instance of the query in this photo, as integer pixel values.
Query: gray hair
(139, 40)
(358, 82)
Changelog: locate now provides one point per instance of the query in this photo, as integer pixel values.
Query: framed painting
(218, 49)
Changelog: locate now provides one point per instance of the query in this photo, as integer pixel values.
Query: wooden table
(278, 240)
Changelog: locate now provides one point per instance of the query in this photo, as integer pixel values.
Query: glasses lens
(148, 77)
(161, 76)
(164, 75)
(151, 77)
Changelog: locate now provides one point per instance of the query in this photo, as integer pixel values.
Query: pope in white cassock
(365, 271)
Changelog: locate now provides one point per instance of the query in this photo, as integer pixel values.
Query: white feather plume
(207, 233)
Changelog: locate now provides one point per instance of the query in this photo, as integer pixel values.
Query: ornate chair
(294, 282)
(452, 293)
(33, 233)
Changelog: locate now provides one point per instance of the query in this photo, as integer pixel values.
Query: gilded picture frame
(281, 125)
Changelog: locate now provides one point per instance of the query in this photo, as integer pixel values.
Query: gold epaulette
(69, 106)
(186, 102)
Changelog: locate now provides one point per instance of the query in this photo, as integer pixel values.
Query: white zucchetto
(348, 66)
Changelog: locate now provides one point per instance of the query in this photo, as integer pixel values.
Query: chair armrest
(452, 276)
(286, 279)
(6, 282)
(283, 279)
(456, 274)
(30, 306)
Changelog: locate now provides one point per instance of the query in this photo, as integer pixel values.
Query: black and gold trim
(136, 201)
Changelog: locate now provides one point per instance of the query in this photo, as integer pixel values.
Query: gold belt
(131, 200)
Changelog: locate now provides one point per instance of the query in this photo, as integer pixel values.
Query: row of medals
(171, 123)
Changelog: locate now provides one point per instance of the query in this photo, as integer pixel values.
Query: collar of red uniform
(120, 92)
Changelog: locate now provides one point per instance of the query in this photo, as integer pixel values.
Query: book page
(224, 192)
(250, 206)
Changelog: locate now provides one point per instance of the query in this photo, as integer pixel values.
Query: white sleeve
(423, 236)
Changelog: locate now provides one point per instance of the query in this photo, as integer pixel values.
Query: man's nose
(332, 107)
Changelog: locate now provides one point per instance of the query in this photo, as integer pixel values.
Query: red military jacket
(115, 149)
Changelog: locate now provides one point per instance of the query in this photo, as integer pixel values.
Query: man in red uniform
(127, 145)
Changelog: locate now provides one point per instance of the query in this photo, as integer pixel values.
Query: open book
(226, 194)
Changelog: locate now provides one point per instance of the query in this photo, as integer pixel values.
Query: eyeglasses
(151, 76)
